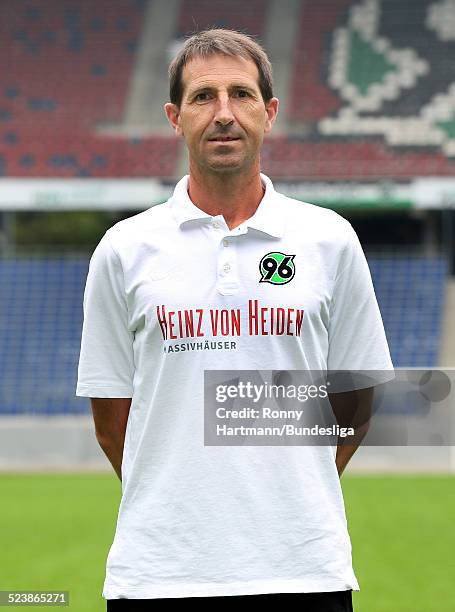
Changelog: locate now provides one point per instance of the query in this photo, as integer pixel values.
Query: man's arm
(111, 416)
(351, 409)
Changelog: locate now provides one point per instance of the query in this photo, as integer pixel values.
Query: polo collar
(268, 218)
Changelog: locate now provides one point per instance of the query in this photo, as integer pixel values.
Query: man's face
(222, 116)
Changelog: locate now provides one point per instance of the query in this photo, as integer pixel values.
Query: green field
(56, 531)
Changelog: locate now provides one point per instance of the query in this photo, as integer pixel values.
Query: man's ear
(271, 109)
(173, 116)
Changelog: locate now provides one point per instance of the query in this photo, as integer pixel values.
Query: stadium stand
(371, 93)
(311, 99)
(411, 292)
(40, 325)
(247, 17)
(296, 157)
(373, 87)
(48, 122)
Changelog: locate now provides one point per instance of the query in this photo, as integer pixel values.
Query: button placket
(225, 261)
(227, 269)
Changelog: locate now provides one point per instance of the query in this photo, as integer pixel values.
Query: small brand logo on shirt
(277, 268)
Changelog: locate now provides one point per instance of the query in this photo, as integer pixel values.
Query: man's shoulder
(149, 222)
(155, 215)
(314, 218)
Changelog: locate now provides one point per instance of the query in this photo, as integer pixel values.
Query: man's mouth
(223, 139)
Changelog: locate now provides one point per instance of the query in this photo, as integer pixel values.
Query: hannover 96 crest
(277, 268)
(390, 63)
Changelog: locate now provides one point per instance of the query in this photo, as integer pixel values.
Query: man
(201, 520)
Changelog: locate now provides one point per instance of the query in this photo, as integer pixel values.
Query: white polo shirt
(172, 292)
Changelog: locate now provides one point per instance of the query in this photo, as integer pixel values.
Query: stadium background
(366, 126)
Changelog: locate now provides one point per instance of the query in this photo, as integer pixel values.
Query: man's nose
(223, 112)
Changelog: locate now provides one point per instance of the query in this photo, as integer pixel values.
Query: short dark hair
(224, 42)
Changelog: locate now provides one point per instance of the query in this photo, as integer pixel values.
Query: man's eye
(201, 96)
(242, 93)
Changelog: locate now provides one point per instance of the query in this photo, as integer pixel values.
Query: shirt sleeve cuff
(85, 390)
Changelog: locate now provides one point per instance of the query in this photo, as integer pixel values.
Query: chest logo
(277, 268)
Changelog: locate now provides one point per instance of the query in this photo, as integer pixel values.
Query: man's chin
(226, 169)
(226, 165)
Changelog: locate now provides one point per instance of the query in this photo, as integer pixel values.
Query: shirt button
(225, 243)
(215, 224)
(226, 267)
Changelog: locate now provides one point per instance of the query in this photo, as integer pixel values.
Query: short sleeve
(106, 364)
(357, 339)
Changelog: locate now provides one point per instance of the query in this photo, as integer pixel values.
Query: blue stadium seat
(40, 326)
(410, 292)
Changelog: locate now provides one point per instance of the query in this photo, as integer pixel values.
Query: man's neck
(236, 197)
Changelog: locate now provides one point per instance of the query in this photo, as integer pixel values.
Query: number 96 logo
(277, 268)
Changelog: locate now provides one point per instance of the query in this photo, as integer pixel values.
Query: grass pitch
(56, 530)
